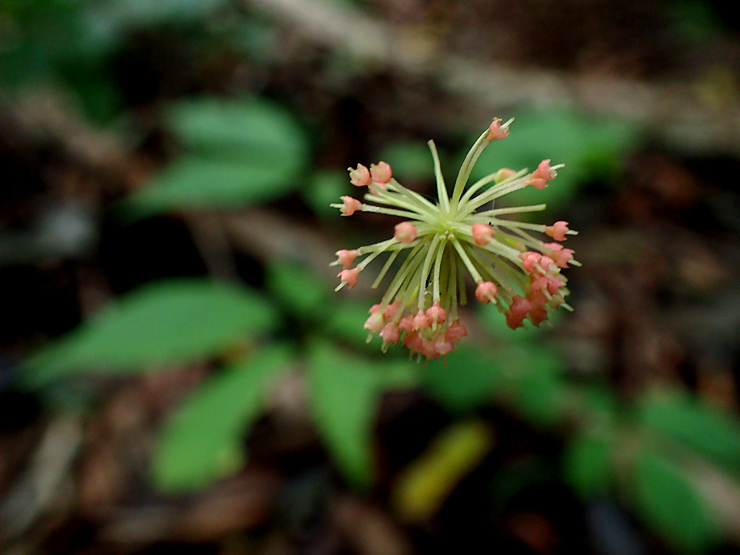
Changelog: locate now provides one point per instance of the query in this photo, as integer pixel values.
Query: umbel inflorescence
(436, 245)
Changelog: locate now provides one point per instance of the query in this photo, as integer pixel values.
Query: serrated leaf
(165, 323)
(707, 430)
(202, 441)
(671, 504)
(587, 464)
(344, 392)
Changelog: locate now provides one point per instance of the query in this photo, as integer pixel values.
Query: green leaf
(202, 441)
(254, 132)
(144, 13)
(587, 464)
(323, 189)
(239, 154)
(671, 504)
(198, 183)
(411, 160)
(534, 373)
(344, 392)
(165, 323)
(590, 148)
(346, 322)
(683, 418)
(464, 382)
(300, 290)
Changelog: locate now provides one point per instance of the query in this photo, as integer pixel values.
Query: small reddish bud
(414, 342)
(443, 346)
(486, 291)
(374, 323)
(360, 176)
(496, 131)
(530, 259)
(407, 323)
(436, 314)
(517, 312)
(391, 310)
(537, 182)
(420, 321)
(482, 234)
(381, 173)
(456, 331)
(346, 257)
(557, 230)
(405, 232)
(554, 284)
(520, 306)
(349, 276)
(390, 333)
(562, 257)
(350, 206)
(545, 171)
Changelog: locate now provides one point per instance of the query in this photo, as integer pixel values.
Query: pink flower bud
(456, 331)
(442, 346)
(538, 315)
(436, 314)
(562, 257)
(557, 230)
(350, 206)
(545, 171)
(538, 284)
(360, 176)
(390, 333)
(391, 310)
(413, 342)
(530, 259)
(537, 182)
(482, 234)
(517, 312)
(349, 276)
(346, 257)
(539, 177)
(554, 284)
(374, 323)
(407, 323)
(495, 131)
(420, 322)
(405, 232)
(486, 291)
(520, 306)
(381, 173)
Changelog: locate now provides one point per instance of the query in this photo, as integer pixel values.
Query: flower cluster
(439, 243)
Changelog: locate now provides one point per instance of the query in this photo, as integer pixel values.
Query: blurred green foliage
(592, 148)
(237, 154)
(203, 440)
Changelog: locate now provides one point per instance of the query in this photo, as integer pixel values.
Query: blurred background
(176, 371)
